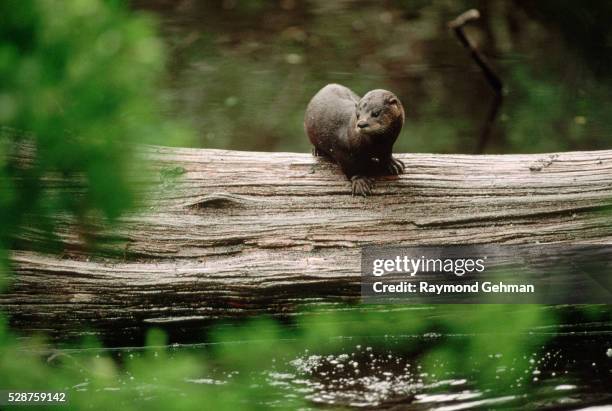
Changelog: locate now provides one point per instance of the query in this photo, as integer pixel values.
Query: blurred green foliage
(236, 367)
(238, 358)
(78, 90)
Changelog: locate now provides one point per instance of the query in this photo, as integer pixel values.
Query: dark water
(569, 366)
(574, 371)
(569, 373)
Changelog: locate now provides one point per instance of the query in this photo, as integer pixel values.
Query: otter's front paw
(361, 186)
(395, 166)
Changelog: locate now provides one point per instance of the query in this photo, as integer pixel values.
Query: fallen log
(229, 233)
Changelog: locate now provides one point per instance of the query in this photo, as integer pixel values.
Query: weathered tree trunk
(232, 233)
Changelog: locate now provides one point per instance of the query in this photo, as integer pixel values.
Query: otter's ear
(391, 100)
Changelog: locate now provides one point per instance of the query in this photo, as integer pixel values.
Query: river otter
(357, 133)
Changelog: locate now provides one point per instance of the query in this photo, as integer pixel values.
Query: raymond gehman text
(428, 288)
(487, 274)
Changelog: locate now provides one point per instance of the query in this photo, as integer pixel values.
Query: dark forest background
(242, 72)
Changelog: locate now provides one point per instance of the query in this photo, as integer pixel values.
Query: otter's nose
(362, 124)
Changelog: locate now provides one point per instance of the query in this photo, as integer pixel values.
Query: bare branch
(492, 78)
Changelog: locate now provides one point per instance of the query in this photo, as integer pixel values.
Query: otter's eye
(375, 113)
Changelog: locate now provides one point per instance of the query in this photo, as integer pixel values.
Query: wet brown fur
(331, 123)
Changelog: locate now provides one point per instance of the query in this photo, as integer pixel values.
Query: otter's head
(379, 112)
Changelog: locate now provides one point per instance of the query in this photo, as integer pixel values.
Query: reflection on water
(567, 373)
(243, 72)
(571, 371)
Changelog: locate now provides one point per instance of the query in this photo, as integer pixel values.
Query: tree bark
(229, 234)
